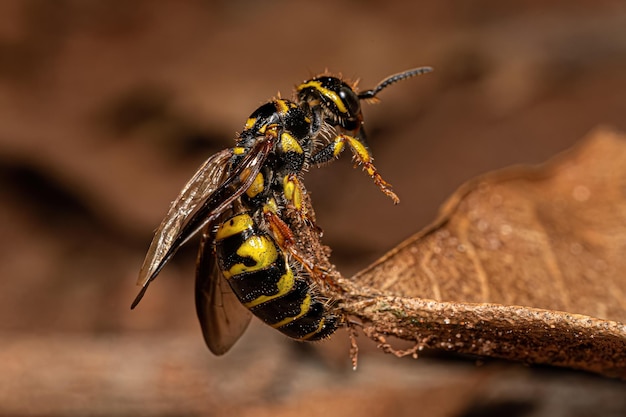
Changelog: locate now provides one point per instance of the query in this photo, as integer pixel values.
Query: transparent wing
(199, 187)
(205, 196)
(222, 317)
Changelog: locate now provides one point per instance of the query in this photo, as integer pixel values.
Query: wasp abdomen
(261, 277)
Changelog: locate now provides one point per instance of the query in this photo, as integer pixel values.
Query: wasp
(255, 218)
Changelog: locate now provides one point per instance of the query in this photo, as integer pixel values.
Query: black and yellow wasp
(252, 210)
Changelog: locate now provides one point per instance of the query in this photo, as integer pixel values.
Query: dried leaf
(524, 264)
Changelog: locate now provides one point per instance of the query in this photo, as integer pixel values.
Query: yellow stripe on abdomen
(260, 250)
(234, 226)
(304, 308)
(284, 285)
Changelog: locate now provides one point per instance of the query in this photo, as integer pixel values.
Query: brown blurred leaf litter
(523, 264)
(543, 72)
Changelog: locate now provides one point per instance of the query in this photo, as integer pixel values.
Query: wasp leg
(295, 194)
(361, 155)
(286, 240)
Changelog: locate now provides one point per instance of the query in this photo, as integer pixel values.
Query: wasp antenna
(393, 79)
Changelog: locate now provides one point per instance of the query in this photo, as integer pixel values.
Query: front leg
(361, 156)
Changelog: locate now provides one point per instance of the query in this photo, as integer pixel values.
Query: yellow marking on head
(256, 187)
(234, 226)
(239, 150)
(259, 249)
(292, 191)
(284, 285)
(289, 143)
(310, 83)
(329, 94)
(304, 308)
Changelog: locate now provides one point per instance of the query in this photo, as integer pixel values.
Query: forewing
(206, 179)
(204, 198)
(222, 317)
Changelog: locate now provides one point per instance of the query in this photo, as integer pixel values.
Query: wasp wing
(205, 196)
(222, 317)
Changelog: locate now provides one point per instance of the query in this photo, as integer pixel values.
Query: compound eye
(350, 100)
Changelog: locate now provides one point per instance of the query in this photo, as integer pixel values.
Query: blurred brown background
(108, 107)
